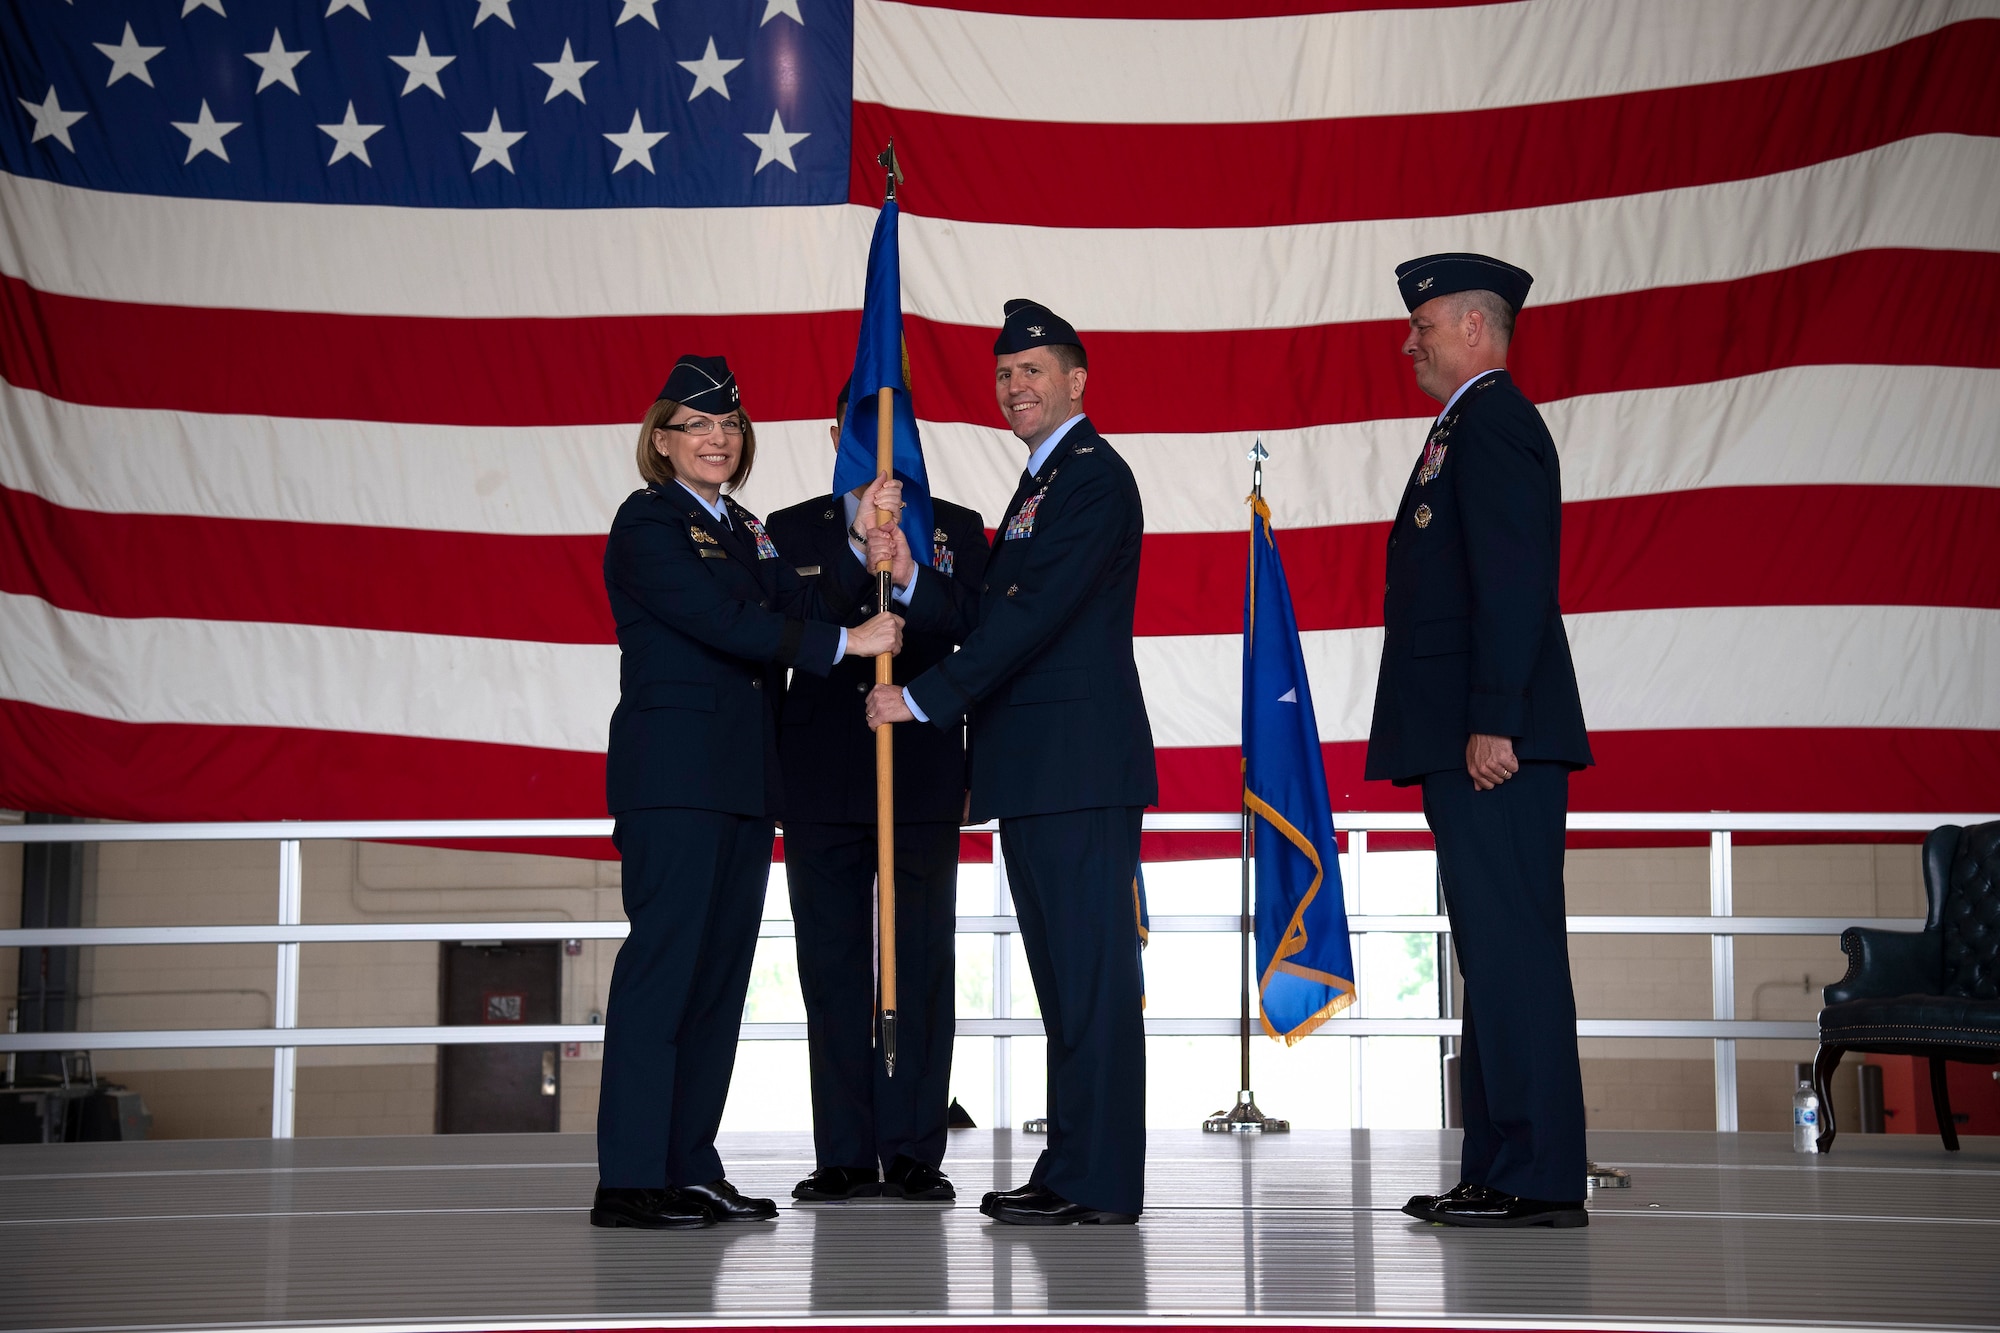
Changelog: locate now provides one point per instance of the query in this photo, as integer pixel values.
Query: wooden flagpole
(885, 744)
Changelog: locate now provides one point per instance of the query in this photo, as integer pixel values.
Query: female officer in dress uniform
(708, 620)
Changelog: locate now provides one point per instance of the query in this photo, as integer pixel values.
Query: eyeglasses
(704, 426)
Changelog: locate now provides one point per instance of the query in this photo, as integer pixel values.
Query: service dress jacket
(1473, 634)
(825, 748)
(709, 617)
(1045, 675)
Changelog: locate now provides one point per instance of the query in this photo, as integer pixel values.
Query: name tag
(708, 554)
(807, 571)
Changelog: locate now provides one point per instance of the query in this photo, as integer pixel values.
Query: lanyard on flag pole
(885, 743)
(1244, 1117)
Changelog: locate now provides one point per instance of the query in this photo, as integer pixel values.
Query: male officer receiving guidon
(1477, 702)
(1062, 755)
(873, 1135)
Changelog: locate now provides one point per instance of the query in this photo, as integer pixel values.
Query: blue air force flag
(1304, 965)
(881, 363)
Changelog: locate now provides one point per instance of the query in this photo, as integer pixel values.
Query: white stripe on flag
(1373, 63)
(1708, 667)
(1932, 192)
(1701, 667)
(1804, 426)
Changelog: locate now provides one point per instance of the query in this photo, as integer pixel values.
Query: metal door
(503, 1088)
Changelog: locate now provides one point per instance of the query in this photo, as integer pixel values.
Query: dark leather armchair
(1933, 993)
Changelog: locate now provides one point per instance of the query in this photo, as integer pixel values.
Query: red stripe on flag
(1750, 546)
(549, 589)
(1735, 546)
(1740, 769)
(69, 763)
(1872, 307)
(467, 372)
(1502, 158)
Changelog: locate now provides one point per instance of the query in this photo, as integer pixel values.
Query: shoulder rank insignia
(1488, 382)
(1084, 449)
(1023, 523)
(702, 536)
(766, 550)
(1423, 516)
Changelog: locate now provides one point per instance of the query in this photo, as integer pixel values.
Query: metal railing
(286, 1038)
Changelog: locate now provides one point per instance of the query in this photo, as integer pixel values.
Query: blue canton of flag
(1304, 962)
(880, 363)
(435, 103)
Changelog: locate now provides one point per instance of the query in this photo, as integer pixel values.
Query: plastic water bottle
(1805, 1119)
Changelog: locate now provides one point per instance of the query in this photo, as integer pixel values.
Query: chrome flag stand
(1244, 1117)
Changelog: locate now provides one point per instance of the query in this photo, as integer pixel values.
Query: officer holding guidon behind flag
(1062, 755)
(862, 1118)
(1477, 702)
(708, 620)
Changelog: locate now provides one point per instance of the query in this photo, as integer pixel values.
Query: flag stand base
(1245, 1118)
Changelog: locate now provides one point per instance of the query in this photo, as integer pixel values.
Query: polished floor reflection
(1889, 1231)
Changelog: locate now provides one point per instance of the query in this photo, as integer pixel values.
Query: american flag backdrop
(325, 326)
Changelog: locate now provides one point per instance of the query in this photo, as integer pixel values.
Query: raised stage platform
(490, 1233)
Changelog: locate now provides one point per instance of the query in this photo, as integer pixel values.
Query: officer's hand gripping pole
(885, 745)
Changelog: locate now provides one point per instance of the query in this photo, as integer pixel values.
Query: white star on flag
(205, 134)
(566, 75)
(789, 8)
(493, 143)
(128, 57)
(1290, 696)
(192, 5)
(776, 145)
(636, 145)
(423, 67)
(708, 72)
(51, 121)
(494, 9)
(639, 9)
(358, 6)
(350, 138)
(277, 64)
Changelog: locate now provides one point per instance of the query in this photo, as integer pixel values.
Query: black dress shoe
(1045, 1208)
(907, 1178)
(1420, 1205)
(1492, 1209)
(991, 1197)
(722, 1199)
(830, 1184)
(648, 1210)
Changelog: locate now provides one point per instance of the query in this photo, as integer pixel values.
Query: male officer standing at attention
(1477, 702)
(1062, 755)
(861, 1117)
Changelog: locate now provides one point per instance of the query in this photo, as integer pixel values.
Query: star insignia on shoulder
(702, 535)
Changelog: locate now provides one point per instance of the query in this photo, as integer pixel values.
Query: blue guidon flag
(882, 362)
(1305, 966)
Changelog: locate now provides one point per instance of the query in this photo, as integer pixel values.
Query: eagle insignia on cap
(1424, 284)
(1034, 330)
(1423, 516)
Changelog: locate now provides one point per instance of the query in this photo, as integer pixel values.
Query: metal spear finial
(886, 159)
(1257, 455)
